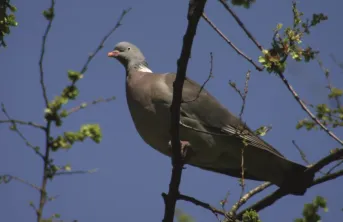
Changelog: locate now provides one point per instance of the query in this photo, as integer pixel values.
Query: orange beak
(114, 53)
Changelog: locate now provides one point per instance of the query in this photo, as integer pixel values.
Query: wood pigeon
(214, 134)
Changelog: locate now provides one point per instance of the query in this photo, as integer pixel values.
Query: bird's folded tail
(296, 180)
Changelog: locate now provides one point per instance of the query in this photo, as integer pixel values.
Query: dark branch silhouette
(195, 10)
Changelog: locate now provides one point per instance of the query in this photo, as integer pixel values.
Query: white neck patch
(142, 68)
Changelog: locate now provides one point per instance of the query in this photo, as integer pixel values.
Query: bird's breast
(151, 124)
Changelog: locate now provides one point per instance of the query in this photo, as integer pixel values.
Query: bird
(214, 135)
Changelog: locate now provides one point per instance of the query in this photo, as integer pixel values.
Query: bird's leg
(186, 150)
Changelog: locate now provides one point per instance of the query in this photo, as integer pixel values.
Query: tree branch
(201, 204)
(301, 152)
(29, 123)
(101, 45)
(307, 110)
(41, 70)
(94, 102)
(7, 178)
(247, 196)
(278, 194)
(195, 10)
(335, 166)
(240, 23)
(228, 41)
(210, 75)
(76, 172)
(21, 135)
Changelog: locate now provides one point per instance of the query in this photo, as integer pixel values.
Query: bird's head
(129, 55)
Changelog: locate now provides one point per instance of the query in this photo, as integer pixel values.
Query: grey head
(130, 56)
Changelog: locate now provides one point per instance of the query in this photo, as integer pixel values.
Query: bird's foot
(186, 150)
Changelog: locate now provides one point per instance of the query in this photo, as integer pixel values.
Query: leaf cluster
(289, 43)
(6, 20)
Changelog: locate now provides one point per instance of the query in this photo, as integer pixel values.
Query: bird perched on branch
(213, 134)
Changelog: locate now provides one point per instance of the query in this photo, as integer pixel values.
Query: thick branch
(278, 194)
(325, 161)
(196, 8)
(230, 43)
(240, 23)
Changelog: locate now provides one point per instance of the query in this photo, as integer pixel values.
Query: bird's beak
(114, 53)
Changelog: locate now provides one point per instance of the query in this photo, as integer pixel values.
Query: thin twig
(21, 135)
(101, 45)
(247, 78)
(302, 154)
(228, 41)
(249, 195)
(23, 123)
(325, 161)
(41, 69)
(84, 105)
(224, 201)
(339, 64)
(241, 24)
(242, 179)
(76, 172)
(196, 8)
(201, 204)
(327, 76)
(243, 94)
(304, 107)
(7, 178)
(334, 167)
(327, 177)
(210, 75)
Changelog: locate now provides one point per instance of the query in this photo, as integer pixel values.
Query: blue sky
(131, 174)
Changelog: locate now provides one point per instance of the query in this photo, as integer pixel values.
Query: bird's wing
(200, 105)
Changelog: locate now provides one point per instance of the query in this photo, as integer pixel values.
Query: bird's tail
(296, 180)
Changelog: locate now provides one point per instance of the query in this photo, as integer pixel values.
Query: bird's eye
(128, 49)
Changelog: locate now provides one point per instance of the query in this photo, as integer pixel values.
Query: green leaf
(244, 3)
(49, 14)
(261, 59)
(251, 216)
(67, 167)
(64, 113)
(317, 18)
(74, 75)
(56, 215)
(335, 92)
(279, 26)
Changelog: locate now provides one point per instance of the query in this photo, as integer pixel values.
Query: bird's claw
(186, 150)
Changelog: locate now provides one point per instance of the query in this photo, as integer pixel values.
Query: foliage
(6, 20)
(289, 43)
(251, 216)
(53, 114)
(310, 211)
(244, 3)
(182, 216)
